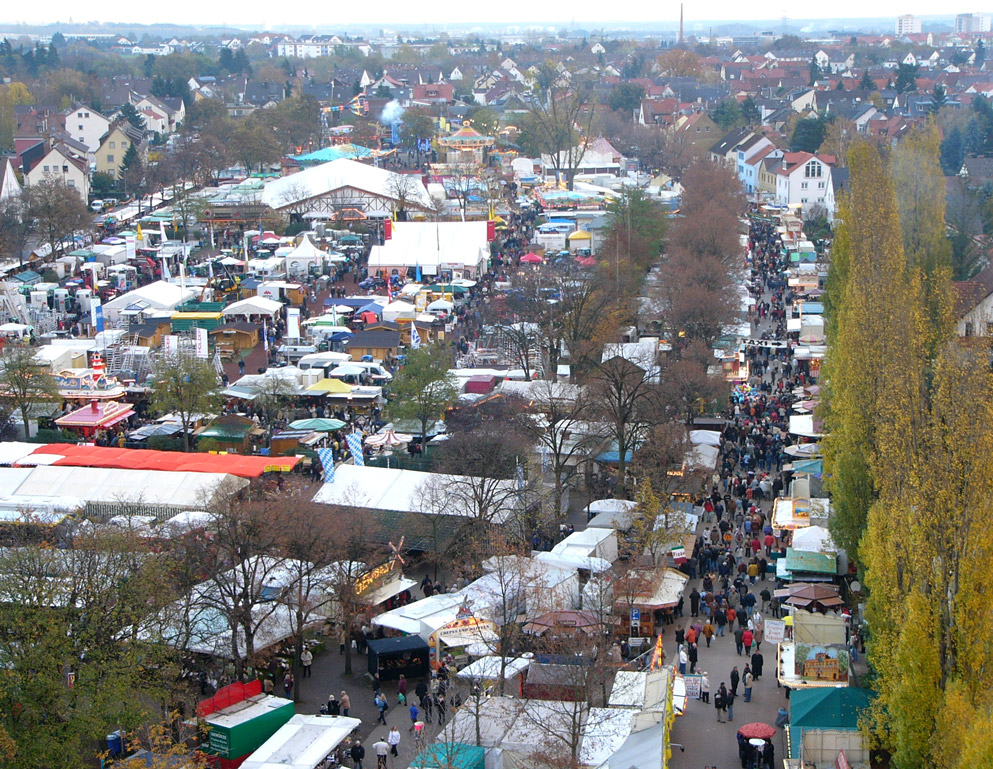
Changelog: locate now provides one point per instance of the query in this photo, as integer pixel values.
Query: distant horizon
(639, 27)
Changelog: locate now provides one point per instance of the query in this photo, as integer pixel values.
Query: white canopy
(303, 742)
(395, 310)
(814, 539)
(488, 668)
(254, 305)
(705, 437)
(305, 253)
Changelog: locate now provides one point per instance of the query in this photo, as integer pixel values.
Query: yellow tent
(330, 386)
(580, 235)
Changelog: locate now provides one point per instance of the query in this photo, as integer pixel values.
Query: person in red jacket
(746, 639)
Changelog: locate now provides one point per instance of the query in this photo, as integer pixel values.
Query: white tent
(303, 742)
(407, 491)
(304, 256)
(159, 295)
(254, 305)
(434, 247)
(705, 438)
(814, 539)
(366, 186)
(139, 489)
(395, 310)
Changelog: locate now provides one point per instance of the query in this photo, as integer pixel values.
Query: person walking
(746, 641)
(720, 701)
(414, 713)
(693, 658)
(382, 706)
(746, 682)
(306, 660)
(402, 689)
(683, 659)
(394, 740)
(721, 618)
(735, 678)
(346, 703)
(704, 687)
(357, 753)
(288, 684)
(442, 707)
(694, 602)
(334, 706)
(729, 704)
(382, 750)
(739, 633)
(757, 662)
(708, 632)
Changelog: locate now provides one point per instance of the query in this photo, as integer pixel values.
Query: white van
(322, 359)
(375, 370)
(295, 351)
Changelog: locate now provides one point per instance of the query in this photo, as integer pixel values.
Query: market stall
(392, 657)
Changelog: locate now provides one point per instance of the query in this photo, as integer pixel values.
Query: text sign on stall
(775, 631)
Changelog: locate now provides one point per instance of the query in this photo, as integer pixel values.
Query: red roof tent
(174, 461)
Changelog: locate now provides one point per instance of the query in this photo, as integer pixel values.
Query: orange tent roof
(174, 461)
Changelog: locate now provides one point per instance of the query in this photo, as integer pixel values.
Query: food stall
(642, 597)
(392, 657)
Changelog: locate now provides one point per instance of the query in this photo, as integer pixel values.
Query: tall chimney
(680, 23)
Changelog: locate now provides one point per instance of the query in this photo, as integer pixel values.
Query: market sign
(371, 579)
(218, 742)
(775, 631)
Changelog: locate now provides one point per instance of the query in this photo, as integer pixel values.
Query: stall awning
(387, 591)
(469, 636)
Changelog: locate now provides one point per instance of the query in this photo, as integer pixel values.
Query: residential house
(433, 93)
(750, 167)
(114, 145)
(697, 129)
(768, 176)
(725, 152)
(165, 114)
(838, 186)
(86, 126)
(974, 305)
(61, 163)
(803, 179)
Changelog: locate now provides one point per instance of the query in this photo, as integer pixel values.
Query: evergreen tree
(816, 73)
(867, 83)
(906, 78)
(952, 151)
(980, 53)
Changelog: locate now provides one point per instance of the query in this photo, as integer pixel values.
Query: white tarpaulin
(255, 305)
(705, 438)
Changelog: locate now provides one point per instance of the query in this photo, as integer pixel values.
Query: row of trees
(92, 636)
(50, 211)
(908, 415)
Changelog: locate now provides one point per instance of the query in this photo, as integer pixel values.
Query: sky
(262, 14)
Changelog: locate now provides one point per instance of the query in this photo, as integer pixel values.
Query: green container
(242, 728)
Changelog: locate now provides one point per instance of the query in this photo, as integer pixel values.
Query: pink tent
(530, 258)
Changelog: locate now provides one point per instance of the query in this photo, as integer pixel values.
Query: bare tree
(628, 401)
(565, 436)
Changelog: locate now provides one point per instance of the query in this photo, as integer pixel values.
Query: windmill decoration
(396, 554)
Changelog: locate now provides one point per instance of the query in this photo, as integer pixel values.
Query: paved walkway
(707, 742)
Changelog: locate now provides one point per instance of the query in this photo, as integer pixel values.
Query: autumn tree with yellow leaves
(910, 413)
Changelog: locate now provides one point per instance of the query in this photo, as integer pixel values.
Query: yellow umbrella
(330, 386)
(788, 620)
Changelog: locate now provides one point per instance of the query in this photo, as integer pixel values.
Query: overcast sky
(557, 13)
